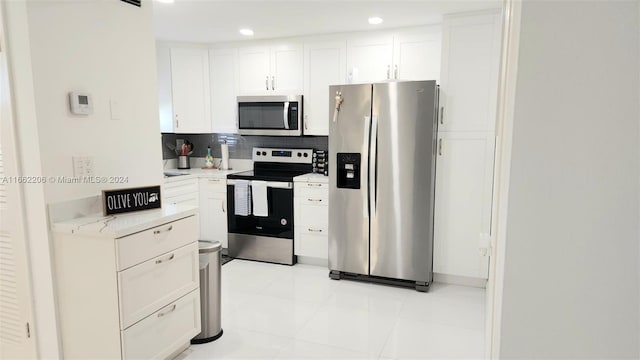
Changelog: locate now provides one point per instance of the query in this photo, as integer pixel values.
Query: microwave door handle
(286, 115)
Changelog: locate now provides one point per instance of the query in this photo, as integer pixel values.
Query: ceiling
(210, 21)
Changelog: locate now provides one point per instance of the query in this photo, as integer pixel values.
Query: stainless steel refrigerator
(382, 154)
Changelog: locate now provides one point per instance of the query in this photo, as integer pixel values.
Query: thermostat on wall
(80, 103)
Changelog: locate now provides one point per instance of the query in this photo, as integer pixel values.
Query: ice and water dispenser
(348, 166)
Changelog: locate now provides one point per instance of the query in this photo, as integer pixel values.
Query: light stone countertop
(116, 226)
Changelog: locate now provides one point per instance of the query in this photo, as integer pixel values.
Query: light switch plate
(116, 109)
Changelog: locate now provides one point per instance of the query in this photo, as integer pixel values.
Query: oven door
(270, 115)
(279, 222)
(263, 238)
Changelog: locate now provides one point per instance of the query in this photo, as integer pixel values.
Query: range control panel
(298, 156)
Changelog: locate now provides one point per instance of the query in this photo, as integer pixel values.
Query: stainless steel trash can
(210, 256)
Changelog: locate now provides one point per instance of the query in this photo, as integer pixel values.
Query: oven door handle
(271, 184)
(286, 115)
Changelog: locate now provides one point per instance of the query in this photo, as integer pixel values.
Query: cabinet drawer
(151, 285)
(213, 185)
(312, 245)
(180, 188)
(313, 215)
(165, 331)
(185, 199)
(142, 246)
(314, 190)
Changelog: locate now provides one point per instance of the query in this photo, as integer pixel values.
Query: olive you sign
(130, 200)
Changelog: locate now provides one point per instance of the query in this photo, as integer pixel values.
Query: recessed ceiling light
(165, 1)
(375, 20)
(246, 32)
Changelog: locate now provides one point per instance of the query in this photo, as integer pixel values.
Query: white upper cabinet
(224, 90)
(469, 79)
(163, 61)
(269, 70)
(369, 59)
(286, 69)
(254, 71)
(190, 90)
(324, 65)
(416, 55)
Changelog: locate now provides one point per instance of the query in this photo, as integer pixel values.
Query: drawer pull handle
(172, 309)
(224, 210)
(314, 184)
(160, 261)
(214, 180)
(315, 200)
(314, 230)
(157, 232)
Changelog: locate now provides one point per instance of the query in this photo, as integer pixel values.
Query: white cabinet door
(254, 71)
(286, 69)
(469, 80)
(324, 65)
(213, 211)
(464, 177)
(416, 55)
(190, 90)
(224, 90)
(163, 64)
(369, 59)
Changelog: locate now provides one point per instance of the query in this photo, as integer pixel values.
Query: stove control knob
(258, 153)
(283, 221)
(264, 153)
(306, 155)
(299, 154)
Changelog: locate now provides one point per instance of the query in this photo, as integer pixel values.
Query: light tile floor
(281, 312)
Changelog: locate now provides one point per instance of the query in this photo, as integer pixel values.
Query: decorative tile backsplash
(239, 146)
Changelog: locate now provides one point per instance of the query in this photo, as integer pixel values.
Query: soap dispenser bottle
(208, 161)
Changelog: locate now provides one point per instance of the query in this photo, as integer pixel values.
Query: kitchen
(228, 82)
(117, 104)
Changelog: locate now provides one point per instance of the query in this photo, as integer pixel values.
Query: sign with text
(122, 201)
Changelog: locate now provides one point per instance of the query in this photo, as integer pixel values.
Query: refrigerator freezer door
(403, 190)
(348, 196)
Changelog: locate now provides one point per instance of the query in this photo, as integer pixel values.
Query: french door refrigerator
(382, 151)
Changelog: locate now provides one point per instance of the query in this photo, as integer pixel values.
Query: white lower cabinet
(311, 214)
(134, 295)
(213, 210)
(464, 181)
(160, 334)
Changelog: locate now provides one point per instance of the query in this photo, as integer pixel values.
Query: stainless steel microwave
(270, 115)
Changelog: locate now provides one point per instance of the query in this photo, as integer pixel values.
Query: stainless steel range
(260, 215)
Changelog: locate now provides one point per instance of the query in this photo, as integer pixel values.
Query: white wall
(106, 48)
(571, 265)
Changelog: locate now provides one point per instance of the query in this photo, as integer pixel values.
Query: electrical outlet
(82, 166)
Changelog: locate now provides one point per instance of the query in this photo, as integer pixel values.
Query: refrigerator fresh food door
(403, 169)
(348, 186)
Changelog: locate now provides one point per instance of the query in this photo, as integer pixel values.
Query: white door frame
(504, 136)
(15, 28)
(18, 337)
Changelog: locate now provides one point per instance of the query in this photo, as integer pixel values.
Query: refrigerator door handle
(373, 166)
